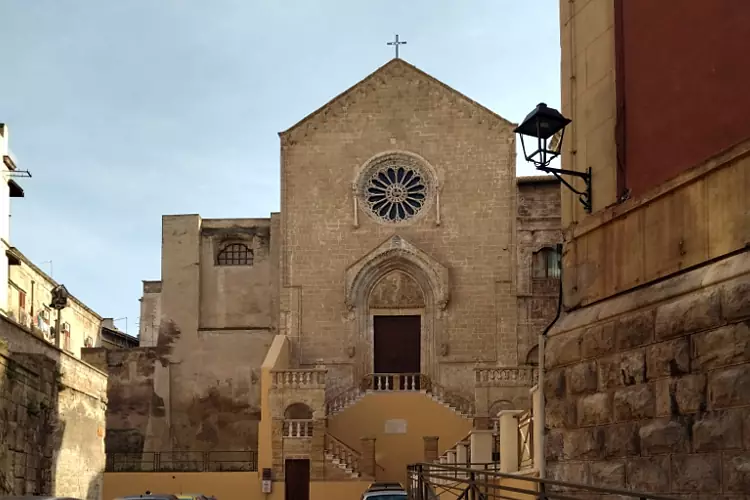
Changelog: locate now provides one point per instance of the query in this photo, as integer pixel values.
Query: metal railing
(484, 482)
(183, 461)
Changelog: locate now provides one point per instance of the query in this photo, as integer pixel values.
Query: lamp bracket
(583, 196)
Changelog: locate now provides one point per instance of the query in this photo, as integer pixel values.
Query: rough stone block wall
(657, 398)
(132, 401)
(28, 423)
(52, 412)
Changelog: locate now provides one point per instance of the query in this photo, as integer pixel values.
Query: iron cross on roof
(396, 43)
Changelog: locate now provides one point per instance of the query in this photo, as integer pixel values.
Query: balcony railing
(299, 379)
(298, 428)
(396, 382)
(182, 461)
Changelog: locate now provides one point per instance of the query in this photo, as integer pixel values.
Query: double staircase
(342, 456)
(400, 382)
(342, 460)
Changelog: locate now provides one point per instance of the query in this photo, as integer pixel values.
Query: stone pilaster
(367, 460)
(277, 453)
(318, 451)
(430, 448)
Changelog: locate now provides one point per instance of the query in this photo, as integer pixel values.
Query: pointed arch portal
(396, 295)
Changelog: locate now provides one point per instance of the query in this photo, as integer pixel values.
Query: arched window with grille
(546, 263)
(235, 254)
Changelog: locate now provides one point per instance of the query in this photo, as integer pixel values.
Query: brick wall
(51, 419)
(655, 395)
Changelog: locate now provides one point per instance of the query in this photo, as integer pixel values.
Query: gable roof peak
(392, 64)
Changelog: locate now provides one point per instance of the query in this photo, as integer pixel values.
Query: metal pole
(541, 461)
(57, 330)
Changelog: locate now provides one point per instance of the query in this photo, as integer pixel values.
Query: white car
(385, 491)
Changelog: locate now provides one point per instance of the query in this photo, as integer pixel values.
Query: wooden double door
(397, 348)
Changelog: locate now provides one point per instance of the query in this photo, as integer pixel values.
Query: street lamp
(547, 126)
(59, 302)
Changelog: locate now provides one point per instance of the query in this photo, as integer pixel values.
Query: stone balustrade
(298, 428)
(299, 379)
(506, 377)
(342, 452)
(396, 382)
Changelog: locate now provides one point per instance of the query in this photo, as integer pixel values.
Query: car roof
(152, 496)
(36, 497)
(385, 486)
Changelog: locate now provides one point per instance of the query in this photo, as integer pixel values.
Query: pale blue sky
(125, 110)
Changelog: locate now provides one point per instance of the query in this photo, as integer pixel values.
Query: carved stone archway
(395, 254)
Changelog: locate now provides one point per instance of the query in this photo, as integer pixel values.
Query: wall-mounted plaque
(395, 426)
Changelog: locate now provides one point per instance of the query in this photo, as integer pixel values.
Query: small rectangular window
(21, 300)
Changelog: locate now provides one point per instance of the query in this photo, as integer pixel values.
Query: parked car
(150, 496)
(384, 491)
(37, 497)
(192, 496)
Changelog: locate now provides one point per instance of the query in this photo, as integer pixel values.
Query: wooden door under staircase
(297, 480)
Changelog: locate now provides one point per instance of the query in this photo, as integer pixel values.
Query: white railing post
(509, 458)
(481, 448)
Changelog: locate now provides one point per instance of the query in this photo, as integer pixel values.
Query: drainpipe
(540, 379)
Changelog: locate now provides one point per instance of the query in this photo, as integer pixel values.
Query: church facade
(407, 256)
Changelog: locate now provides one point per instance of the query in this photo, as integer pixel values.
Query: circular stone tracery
(395, 191)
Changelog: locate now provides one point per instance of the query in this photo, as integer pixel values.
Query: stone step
(342, 465)
(432, 396)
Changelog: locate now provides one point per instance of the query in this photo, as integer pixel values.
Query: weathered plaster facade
(647, 379)
(334, 257)
(29, 298)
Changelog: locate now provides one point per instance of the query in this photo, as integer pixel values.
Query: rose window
(395, 193)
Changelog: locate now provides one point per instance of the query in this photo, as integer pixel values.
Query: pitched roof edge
(537, 179)
(431, 78)
(461, 94)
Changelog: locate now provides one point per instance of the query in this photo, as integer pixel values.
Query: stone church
(407, 256)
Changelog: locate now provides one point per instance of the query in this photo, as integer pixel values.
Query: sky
(125, 110)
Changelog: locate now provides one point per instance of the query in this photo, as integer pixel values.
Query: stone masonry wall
(52, 410)
(27, 423)
(655, 396)
(470, 231)
(538, 227)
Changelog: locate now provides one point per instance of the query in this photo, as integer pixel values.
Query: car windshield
(390, 495)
